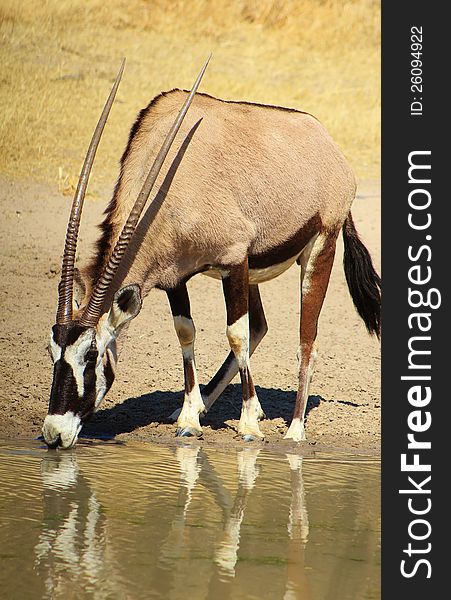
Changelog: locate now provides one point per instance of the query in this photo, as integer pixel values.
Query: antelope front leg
(188, 420)
(236, 294)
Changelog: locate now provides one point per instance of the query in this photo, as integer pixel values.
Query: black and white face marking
(84, 359)
(82, 374)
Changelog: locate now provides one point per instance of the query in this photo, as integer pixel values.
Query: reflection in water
(156, 522)
(226, 554)
(71, 547)
(298, 531)
(196, 469)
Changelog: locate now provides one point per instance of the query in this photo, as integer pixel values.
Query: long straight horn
(93, 310)
(66, 285)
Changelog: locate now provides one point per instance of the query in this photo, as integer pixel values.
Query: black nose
(56, 443)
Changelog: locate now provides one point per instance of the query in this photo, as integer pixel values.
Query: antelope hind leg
(316, 264)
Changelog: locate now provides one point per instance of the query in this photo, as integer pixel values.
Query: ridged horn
(66, 284)
(93, 310)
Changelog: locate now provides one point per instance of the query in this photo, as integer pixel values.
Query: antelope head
(83, 340)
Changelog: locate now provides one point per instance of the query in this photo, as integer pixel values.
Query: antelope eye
(91, 356)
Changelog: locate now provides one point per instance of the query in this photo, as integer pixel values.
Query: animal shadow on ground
(156, 407)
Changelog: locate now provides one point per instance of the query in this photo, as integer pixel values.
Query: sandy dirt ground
(344, 404)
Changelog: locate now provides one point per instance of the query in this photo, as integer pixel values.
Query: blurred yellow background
(60, 57)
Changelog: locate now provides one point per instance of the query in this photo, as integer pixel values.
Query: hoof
(296, 431)
(249, 437)
(295, 438)
(188, 432)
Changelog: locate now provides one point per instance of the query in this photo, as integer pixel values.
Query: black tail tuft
(363, 282)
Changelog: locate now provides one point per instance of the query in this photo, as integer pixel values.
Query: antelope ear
(126, 305)
(79, 289)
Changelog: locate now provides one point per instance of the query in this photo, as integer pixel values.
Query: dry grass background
(59, 58)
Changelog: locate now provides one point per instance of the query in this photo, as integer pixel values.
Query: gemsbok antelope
(246, 191)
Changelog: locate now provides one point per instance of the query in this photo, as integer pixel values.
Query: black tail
(363, 282)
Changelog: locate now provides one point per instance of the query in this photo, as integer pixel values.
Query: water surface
(108, 520)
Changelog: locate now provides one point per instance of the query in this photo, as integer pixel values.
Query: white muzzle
(61, 430)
